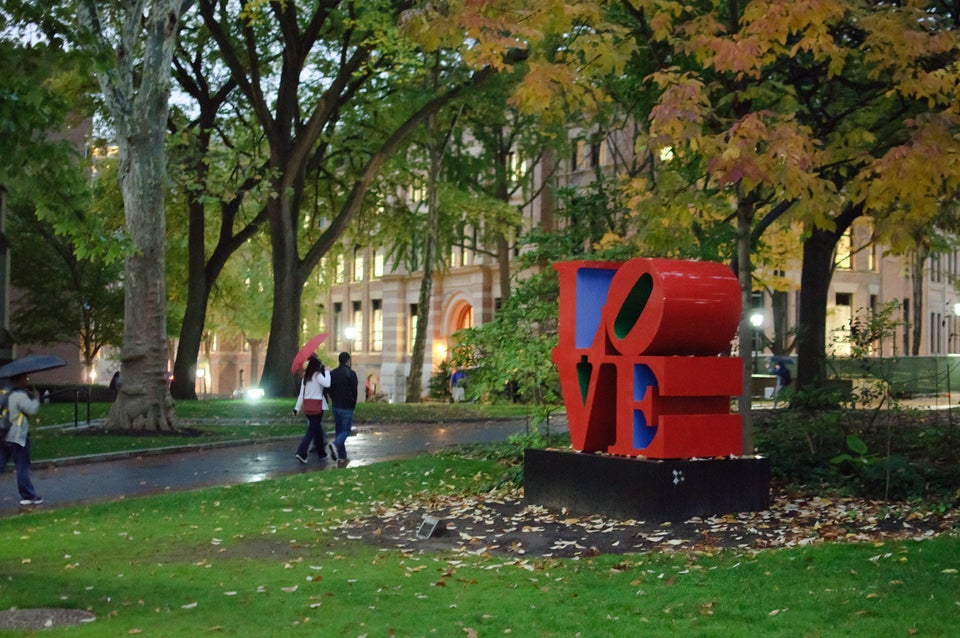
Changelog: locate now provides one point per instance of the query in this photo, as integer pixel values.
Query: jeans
(343, 422)
(21, 458)
(315, 434)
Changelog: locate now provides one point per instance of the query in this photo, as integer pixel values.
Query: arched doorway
(461, 317)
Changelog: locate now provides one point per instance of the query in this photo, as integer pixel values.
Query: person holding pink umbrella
(316, 379)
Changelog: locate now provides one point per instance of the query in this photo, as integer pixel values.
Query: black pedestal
(644, 489)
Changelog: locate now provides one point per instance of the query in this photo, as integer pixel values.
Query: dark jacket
(343, 388)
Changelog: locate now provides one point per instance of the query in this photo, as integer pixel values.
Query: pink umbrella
(307, 350)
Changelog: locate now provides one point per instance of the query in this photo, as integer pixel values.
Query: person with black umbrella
(22, 403)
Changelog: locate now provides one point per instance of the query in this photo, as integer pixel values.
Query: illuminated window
(844, 256)
(339, 274)
(411, 327)
(337, 324)
(418, 192)
(603, 153)
(358, 265)
(357, 326)
(378, 264)
(516, 167)
(376, 327)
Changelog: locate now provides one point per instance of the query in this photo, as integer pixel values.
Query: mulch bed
(504, 525)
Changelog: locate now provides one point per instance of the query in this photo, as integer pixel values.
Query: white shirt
(20, 404)
(313, 389)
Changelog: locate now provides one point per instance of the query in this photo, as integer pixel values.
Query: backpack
(5, 422)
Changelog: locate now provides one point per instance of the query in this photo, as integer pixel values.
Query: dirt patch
(37, 619)
(505, 525)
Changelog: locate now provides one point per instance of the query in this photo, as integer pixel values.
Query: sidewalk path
(143, 474)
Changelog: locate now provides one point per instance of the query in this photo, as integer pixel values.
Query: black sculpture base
(644, 489)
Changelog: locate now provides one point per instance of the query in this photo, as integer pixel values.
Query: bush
(890, 454)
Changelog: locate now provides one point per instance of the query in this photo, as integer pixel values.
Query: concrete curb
(129, 454)
(199, 447)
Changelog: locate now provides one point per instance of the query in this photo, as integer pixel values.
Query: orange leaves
(679, 116)
(484, 31)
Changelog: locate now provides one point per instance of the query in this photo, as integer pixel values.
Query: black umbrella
(31, 363)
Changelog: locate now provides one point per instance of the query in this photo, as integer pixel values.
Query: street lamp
(756, 320)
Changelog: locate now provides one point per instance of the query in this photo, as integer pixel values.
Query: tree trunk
(254, 360)
(415, 378)
(917, 259)
(195, 312)
(745, 278)
(815, 274)
(503, 267)
(781, 322)
(283, 343)
(140, 118)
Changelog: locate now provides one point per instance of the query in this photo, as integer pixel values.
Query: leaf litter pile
(502, 523)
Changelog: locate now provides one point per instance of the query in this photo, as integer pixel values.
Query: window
(516, 168)
(378, 264)
(376, 327)
(358, 265)
(936, 332)
(603, 152)
(844, 257)
(340, 268)
(411, 327)
(337, 324)
(418, 192)
(838, 324)
(357, 326)
(585, 155)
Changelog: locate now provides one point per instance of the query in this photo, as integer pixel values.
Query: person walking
(457, 385)
(21, 404)
(316, 378)
(343, 396)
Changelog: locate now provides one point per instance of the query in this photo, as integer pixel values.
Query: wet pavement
(99, 479)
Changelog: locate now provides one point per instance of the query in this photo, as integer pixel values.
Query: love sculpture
(637, 357)
(647, 395)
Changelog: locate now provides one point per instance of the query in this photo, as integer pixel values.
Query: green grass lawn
(268, 559)
(212, 421)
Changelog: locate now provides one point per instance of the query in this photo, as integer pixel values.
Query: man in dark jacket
(343, 396)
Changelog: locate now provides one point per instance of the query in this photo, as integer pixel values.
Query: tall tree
(41, 167)
(64, 298)
(133, 43)
(790, 109)
(218, 166)
(302, 67)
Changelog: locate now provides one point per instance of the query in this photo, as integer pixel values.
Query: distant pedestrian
(21, 404)
(458, 382)
(343, 396)
(783, 376)
(316, 379)
(115, 385)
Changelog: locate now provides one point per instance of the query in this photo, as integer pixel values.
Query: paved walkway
(96, 479)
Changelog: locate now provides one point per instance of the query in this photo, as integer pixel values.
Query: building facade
(371, 306)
